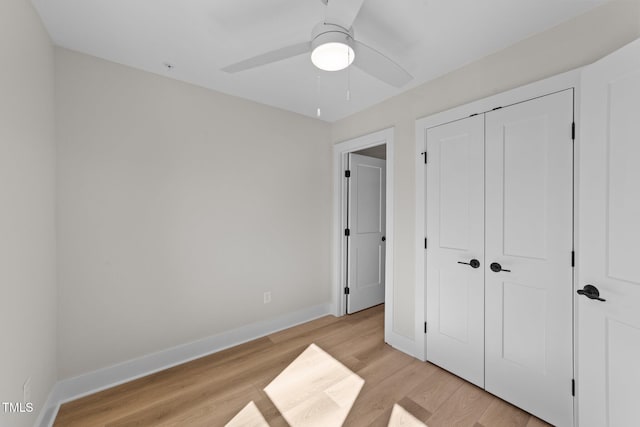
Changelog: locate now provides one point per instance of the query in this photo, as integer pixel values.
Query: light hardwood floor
(210, 391)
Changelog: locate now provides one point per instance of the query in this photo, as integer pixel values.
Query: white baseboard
(92, 382)
(49, 410)
(402, 343)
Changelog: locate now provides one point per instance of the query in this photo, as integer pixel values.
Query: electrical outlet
(267, 297)
(26, 390)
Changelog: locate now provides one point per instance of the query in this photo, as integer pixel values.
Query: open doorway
(375, 146)
(365, 240)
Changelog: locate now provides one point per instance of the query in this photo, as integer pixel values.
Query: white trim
(340, 150)
(400, 342)
(420, 300)
(577, 108)
(101, 379)
(533, 90)
(547, 86)
(49, 410)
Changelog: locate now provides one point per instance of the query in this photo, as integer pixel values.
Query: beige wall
(178, 208)
(27, 229)
(570, 45)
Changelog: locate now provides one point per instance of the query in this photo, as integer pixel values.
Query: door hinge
(573, 131)
(424, 153)
(573, 387)
(347, 174)
(346, 290)
(573, 258)
(347, 232)
(425, 243)
(425, 327)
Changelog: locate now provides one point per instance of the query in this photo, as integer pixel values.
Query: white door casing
(608, 381)
(366, 224)
(455, 230)
(529, 231)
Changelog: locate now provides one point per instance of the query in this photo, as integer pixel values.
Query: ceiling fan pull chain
(348, 76)
(326, 3)
(318, 111)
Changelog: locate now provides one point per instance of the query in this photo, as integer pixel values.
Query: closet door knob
(474, 263)
(591, 292)
(497, 268)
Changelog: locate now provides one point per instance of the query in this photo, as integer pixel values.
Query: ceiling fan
(333, 48)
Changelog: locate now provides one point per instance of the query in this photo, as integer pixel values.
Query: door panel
(609, 235)
(525, 187)
(524, 310)
(455, 231)
(366, 221)
(622, 380)
(454, 203)
(529, 223)
(453, 289)
(368, 194)
(367, 259)
(624, 178)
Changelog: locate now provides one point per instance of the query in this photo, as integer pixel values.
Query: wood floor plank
(463, 408)
(537, 422)
(502, 414)
(96, 409)
(249, 416)
(270, 412)
(375, 399)
(414, 409)
(386, 364)
(383, 419)
(436, 389)
(236, 376)
(211, 390)
(210, 412)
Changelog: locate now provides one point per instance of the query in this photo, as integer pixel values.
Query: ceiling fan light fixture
(332, 56)
(332, 47)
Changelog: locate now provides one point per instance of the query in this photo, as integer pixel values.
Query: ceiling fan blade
(343, 12)
(269, 57)
(379, 66)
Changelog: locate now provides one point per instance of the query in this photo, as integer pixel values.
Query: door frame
(363, 295)
(564, 81)
(340, 164)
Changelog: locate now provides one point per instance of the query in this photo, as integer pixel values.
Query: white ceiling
(199, 37)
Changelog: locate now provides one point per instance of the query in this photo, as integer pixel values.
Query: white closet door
(609, 252)
(366, 221)
(455, 232)
(529, 192)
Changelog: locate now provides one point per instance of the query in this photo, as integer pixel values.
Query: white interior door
(455, 232)
(366, 224)
(609, 236)
(529, 223)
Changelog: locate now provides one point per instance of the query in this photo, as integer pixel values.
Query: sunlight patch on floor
(401, 418)
(249, 416)
(315, 390)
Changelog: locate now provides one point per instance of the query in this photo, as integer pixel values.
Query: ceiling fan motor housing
(332, 47)
(326, 33)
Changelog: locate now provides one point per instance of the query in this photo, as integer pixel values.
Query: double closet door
(499, 220)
